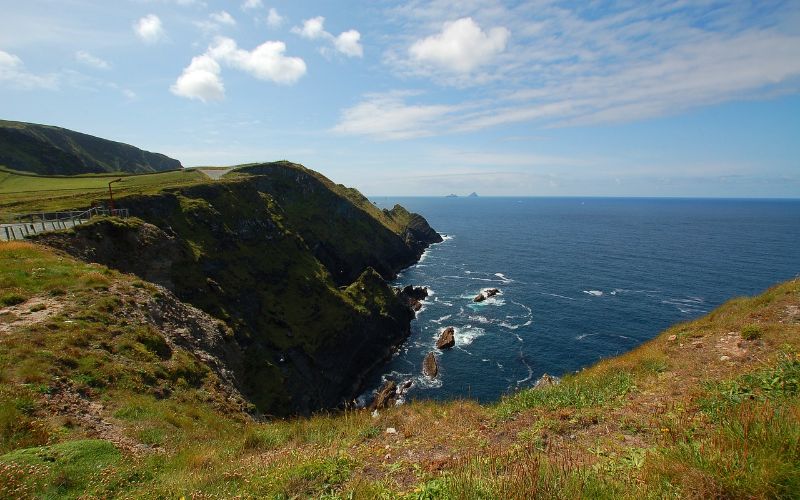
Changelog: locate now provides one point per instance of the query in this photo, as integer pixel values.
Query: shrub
(751, 332)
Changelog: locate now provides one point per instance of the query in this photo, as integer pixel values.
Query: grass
(23, 192)
(666, 420)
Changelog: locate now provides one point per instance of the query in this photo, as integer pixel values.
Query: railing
(20, 226)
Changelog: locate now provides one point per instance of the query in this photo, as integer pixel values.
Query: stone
(672, 338)
(430, 366)
(391, 430)
(485, 294)
(386, 396)
(545, 381)
(447, 338)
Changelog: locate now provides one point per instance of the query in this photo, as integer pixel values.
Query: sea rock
(447, 338)
(386, 396)
(430, 366)
(485, 294)
(413, 296)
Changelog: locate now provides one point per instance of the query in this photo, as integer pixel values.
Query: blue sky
(662, 98)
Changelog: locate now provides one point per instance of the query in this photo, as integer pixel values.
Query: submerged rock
(446, 339)
(485, 294)
(430, 366)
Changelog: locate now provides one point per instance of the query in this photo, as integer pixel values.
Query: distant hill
(49, 150)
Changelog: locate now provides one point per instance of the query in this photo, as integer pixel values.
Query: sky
(544, 98)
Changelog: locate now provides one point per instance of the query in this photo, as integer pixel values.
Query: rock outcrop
(430, 365)
(485, 294)
(413, 296)
(447, 338)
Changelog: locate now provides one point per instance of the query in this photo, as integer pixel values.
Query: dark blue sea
(580, 279)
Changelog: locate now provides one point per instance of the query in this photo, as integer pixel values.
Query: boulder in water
(485, 294)
(447, 338)
(430, 365)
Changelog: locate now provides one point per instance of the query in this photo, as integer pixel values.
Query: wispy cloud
(555, 65)
(88, 59)
(14, 74)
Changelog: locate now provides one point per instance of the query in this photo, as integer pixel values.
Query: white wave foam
(556, 295)
(594, 293)
(514, 327)
(480, 319)
(467, 335)
(447, 237)
(584, 335)
(443, 318)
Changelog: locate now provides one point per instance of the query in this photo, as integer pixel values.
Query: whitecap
(584, 335)
(467, 335)
(556, 295)
(594, 293)
(443, 318)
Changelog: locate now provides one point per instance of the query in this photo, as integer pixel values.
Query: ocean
(580, 279)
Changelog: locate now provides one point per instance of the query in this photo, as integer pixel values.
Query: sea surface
(580, 279)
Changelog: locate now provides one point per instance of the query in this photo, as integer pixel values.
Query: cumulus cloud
(90, 60)
(252, 4)
(347, 43)
(202, 79)
(461, 46)
(14, 74)
(265, 62)
(274, 19)
(149, 28)
(312, 28)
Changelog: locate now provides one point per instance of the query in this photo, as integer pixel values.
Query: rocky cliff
(294, 265)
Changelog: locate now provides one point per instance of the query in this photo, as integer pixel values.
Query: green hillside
(49, 150)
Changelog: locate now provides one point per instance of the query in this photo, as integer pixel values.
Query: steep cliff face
(44, 149)
(346, 232)
(239, 251)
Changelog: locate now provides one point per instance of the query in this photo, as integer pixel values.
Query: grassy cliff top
(94, 404)
(22, 192)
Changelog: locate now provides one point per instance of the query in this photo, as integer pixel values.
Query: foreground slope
(44, 149)
(102, 398)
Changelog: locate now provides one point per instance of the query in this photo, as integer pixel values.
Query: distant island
(471, 195)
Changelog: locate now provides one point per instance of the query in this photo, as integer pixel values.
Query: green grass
(22, 192)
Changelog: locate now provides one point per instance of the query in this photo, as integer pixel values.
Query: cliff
(44, 149)
(291, 264)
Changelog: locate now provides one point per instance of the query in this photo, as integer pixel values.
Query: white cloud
(149, 28)
(312, 28)
(387, 116)
(90, 60)
(13, 73)
(461, 47)
(265, 62)
(222, 17)
(200, 80)
(347, 43)
(274, 20)
(252, 4)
